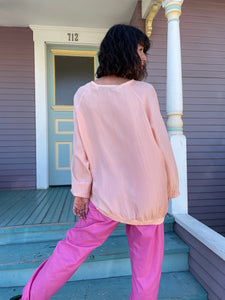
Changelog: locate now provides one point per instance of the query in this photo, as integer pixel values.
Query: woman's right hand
(80, 207)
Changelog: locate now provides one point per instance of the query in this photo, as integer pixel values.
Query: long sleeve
(80, 167)
(162, 139)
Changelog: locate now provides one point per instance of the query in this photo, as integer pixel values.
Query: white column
(174, 75)
(42, 179)
(175, 103)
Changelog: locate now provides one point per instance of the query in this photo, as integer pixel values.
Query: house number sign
(72, 37)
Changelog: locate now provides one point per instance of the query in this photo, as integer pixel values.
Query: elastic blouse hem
(130, 221)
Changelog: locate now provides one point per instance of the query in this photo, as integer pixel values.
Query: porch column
(175, 102)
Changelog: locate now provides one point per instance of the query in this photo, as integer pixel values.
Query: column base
(179, 205)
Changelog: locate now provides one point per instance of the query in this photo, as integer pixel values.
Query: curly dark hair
(118, 53)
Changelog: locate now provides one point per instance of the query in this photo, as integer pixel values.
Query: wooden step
(51, 232)
(18, 261)
(177, 285)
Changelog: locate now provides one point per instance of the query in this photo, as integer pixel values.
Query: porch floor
(36, 207)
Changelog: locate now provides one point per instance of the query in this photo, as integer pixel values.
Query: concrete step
(18, 261)
(51, 232)
(178, 285)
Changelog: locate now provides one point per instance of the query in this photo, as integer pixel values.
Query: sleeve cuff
(174, 194)
(81, 192)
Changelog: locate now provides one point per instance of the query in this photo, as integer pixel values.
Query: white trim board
(58, 34)
(43, 35)
(210, 238)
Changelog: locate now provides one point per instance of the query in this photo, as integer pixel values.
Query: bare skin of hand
(80, 207)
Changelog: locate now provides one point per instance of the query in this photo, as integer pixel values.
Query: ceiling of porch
(77, 13)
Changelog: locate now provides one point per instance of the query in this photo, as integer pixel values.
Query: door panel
(68, 69)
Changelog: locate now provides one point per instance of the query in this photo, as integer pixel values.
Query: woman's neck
(111, 80)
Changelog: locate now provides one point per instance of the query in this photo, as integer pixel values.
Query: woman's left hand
(80, 207)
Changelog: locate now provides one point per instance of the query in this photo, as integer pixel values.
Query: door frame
(43, 35)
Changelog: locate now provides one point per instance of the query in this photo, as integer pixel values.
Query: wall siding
(17, 109)
(203, 56)
(203, 64)
(206, 266)
(136, 19)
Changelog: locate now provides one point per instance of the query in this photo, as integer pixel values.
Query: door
(68, 69)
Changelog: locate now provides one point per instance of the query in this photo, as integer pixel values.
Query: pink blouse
(122, 157)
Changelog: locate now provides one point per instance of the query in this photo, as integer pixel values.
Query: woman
(123, 163)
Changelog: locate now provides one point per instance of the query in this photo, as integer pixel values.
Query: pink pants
(146, 244)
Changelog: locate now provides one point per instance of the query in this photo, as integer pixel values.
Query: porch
(35, 215)
(36, 207)
(32, 222)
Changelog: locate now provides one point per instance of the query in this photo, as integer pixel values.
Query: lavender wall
(203, 53)
(17, 109)
(203, 61)
(206, 266)
(136, 19)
